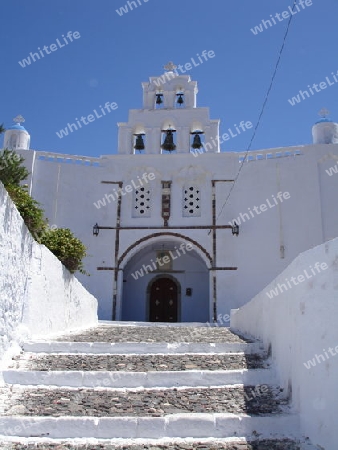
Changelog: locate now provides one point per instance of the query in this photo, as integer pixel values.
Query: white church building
(172, 235)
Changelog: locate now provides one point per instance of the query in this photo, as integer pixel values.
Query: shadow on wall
(300, 325)
(39, 297)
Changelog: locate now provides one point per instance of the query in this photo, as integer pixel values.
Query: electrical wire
(262, 110)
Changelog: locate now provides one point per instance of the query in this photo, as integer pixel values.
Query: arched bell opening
(139, 144)
(168, 140)
(180, 99)
(197, 140)
(159, 100)
(138, 139)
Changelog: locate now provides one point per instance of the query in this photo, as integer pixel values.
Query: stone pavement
(58, 391)
(284, 444)
(139, 363)
(106, 333)
(145, 402)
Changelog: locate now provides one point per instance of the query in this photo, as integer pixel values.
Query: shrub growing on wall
(61, 241)
(12, 172)
(66, 247)
(29, 209)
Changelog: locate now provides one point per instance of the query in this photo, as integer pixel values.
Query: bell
(197, 142)
(139, 143)
(180, 100)
(168, 143)
(159, 100)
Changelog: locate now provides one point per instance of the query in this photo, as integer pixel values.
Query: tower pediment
(169, 112)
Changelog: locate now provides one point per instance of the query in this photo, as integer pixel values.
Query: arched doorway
(189, 268)
(163, 300)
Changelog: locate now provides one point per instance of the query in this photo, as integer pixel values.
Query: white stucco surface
(136, 348)
(133, 380)
(172, 426)
(300, 324)
(287, 229)
(38, 296)
(282, 199)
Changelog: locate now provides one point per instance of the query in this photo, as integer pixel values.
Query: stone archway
(191, 270)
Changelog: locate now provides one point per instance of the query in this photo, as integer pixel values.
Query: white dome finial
(16, 136)
(325, 131)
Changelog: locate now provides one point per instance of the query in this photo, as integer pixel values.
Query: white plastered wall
(38, 296)
(300, 324)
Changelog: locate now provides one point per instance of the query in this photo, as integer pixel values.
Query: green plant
(11, 170)
(29, 209)
(60, 241)
(66, 247)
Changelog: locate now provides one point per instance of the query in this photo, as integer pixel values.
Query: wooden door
(163, 301)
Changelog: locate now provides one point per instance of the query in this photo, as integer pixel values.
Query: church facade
(172, 235)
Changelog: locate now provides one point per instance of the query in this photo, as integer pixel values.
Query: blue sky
(115, 54)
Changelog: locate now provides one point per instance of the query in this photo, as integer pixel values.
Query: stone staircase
(127, 386)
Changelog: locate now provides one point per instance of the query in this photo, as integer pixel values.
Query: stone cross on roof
(18, 119)
(324, 112)
(170, 67)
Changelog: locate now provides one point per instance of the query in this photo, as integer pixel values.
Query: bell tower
(16, 136)
(170, 121)
(325, 131)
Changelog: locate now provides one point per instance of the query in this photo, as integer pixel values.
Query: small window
(191, 201)
(13, 141)
(142, 199)
(164, 260)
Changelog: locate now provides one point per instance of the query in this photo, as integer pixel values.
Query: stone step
(152, 334)
(163, 444)
(125, 386)
(137, 348)
(155, 339)
(142, 402)
(194, 426)
(165, 379)
(137, 363)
